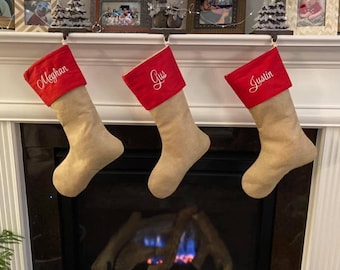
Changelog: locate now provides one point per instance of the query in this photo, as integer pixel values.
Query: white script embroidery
(255, 83)
(52, 77)
(158, 78)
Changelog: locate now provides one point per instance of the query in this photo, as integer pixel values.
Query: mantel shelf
(313, 63)
(174, 39)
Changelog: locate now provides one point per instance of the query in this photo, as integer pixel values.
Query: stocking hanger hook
(274, 39)
(166, 38)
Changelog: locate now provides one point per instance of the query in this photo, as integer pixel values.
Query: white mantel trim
(322, 239)
(13, 204)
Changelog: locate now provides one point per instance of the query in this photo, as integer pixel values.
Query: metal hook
(166, 38)
(65, 35)
(64, 42)
(274, 39)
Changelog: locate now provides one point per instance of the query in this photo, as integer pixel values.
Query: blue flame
(154, 241)
(186, 249)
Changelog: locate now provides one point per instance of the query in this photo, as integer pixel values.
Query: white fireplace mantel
(313, 63)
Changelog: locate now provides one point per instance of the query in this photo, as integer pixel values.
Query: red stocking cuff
(260, 79)
(54, 75)
(156, 79)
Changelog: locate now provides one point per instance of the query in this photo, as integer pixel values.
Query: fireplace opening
(209, 223)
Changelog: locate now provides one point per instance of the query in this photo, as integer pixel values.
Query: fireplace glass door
(209, 223)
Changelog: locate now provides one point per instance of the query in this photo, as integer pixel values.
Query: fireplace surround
(313, 63)
(117, 212)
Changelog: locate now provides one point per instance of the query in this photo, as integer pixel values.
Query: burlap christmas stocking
(157, 83)
(262, 85)
(57, 79)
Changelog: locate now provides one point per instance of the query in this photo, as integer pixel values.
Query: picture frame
(168, 16)
(33, 16)
(319, 17)
(217, 16)
(121, 16)
(7, 15)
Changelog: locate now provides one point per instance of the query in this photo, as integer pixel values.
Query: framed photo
(168, 16)
(217, 16)
(32, 15)
(6, 14)
(313, 17)
(122, 16)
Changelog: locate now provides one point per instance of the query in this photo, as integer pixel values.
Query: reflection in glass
(6, 8)
(37, 12)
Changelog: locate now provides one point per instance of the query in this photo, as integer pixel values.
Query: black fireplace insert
(209, 223)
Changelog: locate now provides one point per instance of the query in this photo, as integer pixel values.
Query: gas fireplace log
(217, 248)
(126, 232)
(169, 252)
(135, 251)
(132, 255)
(201, 254)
